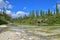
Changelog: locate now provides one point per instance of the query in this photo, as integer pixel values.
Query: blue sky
(27, 5)
(18, 8)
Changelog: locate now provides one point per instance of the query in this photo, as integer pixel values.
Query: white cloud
(24, 8)
(10, 6)
(17, 14)
(1, 0)
(22, 13)
(8, 12)
(55, 6)
(13, 15)
(5, 4)
(58, 5)
(2, 4)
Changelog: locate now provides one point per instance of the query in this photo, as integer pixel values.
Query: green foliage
(51, 21)
(3, 22)
(52, 18)
(32, 14)
(57, 11)
(33, 20)
(49, 13)
(37, 13)
(57, 20)
(41, 13)
(4, 17)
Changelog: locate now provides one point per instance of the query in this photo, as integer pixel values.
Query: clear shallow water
(30, 32)
(21, 27)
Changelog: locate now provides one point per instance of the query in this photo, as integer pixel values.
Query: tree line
(48, 17)
(45, 18)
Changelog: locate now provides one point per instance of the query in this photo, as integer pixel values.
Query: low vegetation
(40, 17)
(34, 18)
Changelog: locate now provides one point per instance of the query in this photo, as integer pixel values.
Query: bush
(51, 21)
(57, 20)
(3, 22)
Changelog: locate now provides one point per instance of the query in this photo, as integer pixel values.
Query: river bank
(25, 32)
(3, 25)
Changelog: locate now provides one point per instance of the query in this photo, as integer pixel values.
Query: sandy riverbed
(3, 25)
(12, 35)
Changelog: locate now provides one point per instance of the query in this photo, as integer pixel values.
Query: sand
(3, 25)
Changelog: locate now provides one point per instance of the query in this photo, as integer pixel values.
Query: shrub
(51, 21)
(3, 22)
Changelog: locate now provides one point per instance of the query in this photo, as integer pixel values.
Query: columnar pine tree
(37, 13)
(6, 16)
(54, 12)
(4, 12)
(32, 14)
(49, 13)
(41, 13)
(25, 16)
(57, 11)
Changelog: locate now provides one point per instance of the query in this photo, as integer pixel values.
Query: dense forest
(36, 17)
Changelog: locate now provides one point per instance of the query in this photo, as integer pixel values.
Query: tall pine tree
(49, 13)
(37, 13)
(41, 13)
(57, 10)
(32, 14)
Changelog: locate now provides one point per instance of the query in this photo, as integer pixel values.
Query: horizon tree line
(36, 15)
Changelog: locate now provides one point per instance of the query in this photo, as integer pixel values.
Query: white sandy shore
(3, 25)
(10, 35)
(24, 35)
(13, 35)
